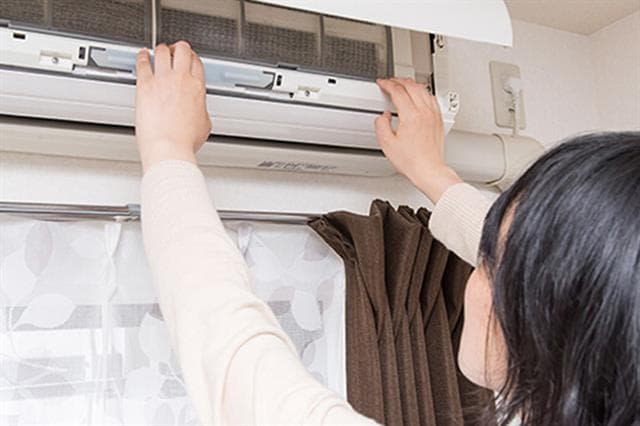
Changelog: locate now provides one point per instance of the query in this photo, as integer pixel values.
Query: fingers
(182, 56)
(197, 69)
(384, 131)
(435, 106)
(399, 96)
(143, 65)
(416, 91)
(184, 59)
(430, 99)
(418, 95)
(162, 60)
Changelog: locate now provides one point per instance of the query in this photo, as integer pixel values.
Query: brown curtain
(404, 316)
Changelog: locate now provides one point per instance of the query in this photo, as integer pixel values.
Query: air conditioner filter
(352, 57)
(281, 45)
(23, 11)
(212, 34)
(228, 29)
(115, 19)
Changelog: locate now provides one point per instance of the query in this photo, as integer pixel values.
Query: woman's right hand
(416, 146)
(172, 122)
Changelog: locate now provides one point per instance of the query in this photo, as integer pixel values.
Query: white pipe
(490, 159)
(475, 157)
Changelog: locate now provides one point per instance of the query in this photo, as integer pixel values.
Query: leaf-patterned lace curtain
(82, 340)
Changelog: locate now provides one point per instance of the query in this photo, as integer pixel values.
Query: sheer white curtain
(82, 340)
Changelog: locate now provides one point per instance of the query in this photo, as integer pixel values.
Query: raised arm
(238, 364)
(416, 149)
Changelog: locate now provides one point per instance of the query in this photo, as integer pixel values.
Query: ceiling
(577, 16)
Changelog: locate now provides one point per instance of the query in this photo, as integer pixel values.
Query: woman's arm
(457, 219)
(416, 149)
(238, 364)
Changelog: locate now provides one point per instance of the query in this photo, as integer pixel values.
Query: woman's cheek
(482, 354)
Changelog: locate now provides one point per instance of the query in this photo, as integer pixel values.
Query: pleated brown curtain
(404, 315)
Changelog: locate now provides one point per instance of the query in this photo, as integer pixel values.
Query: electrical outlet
(503, 102)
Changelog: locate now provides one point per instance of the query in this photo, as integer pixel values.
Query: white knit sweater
(238, 364)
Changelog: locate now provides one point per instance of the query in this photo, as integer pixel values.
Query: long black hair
(561, 248)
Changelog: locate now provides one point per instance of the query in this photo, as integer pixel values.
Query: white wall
(558, 76)
(616, 59)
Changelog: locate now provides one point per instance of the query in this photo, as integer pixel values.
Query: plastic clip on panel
(41, 51)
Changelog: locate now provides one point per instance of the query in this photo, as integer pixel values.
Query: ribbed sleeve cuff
(457, 220)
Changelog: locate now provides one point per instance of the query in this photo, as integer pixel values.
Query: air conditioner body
(286, 89)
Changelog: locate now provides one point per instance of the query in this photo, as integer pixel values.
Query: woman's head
(560, 279)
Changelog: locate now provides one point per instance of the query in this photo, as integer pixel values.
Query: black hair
(561, 248)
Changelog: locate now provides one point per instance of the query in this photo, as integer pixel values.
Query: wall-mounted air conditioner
(288, 88)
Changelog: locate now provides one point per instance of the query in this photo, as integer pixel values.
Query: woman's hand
(172, 122)
(416, 146)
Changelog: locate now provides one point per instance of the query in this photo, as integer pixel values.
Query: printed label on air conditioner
(296, 166)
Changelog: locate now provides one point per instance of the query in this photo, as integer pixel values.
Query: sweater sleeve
(457, 220)
(238, 364)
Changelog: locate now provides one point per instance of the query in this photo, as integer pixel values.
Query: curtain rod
(131, 213)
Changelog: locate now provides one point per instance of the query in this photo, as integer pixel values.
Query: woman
(552, 312)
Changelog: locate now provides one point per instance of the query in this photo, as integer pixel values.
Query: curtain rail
(131, 213)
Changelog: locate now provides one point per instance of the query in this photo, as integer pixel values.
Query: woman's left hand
(172, 122)
(416, 146)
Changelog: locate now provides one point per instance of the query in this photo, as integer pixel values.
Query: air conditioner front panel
(83, 100)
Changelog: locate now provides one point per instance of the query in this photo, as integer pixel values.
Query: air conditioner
(290, 84)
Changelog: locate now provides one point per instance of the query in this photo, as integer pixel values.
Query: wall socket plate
(500, 72)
